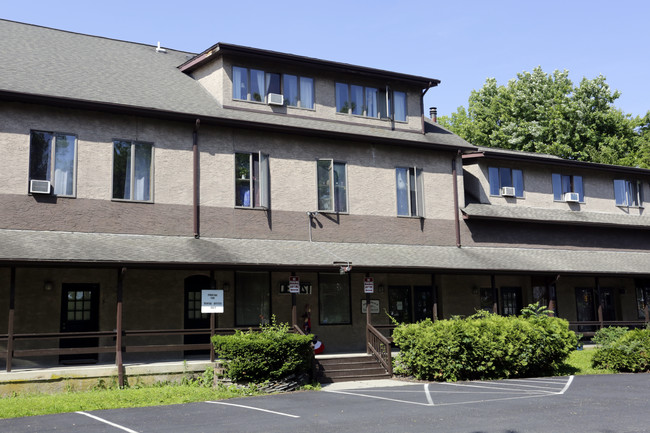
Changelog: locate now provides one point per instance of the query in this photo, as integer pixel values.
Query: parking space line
(107, 422)
(253, 408)
(426, 391)
(509, 390)
(378, 398)
(568, 384)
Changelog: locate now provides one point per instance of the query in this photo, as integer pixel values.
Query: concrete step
(340, 369)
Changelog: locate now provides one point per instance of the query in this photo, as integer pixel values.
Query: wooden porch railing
(380, 347)
(575, 326)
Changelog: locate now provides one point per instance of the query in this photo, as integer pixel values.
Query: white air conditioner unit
(275, 99)
(508, 191)
(573, 197)
(39, 186)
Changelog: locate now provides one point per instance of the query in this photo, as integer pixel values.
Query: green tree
(546, 113)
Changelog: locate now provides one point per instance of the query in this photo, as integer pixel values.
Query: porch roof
(554, 216)
(22, 247)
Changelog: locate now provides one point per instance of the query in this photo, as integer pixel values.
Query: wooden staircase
(349, 368)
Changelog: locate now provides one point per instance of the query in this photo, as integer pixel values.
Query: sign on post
(211, 301)
(294, 284)
(368, 285)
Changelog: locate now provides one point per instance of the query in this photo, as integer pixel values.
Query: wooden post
(118, 330)
(495, 295)
(600, 303)
(10, 324)
(368, 318)
(435, 297)
(213, 318)
(294, 313)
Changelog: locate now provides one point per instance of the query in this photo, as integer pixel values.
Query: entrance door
(585, 306)
(423, 303)
(79, 313)
(511, 300)
(399, 303)
(193, 318)
(609, 307)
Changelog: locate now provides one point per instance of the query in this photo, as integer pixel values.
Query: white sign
(368, 285)
(294, 284)
(374, 306)
(211, 301)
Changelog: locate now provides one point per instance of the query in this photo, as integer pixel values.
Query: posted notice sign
(368, 285)
(294, 284)
(211, 301)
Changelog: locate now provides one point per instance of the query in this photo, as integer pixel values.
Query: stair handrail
(380, 347)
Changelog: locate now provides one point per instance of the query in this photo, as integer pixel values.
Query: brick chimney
(433, 112)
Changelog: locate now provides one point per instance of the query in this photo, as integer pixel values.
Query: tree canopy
(546, 113)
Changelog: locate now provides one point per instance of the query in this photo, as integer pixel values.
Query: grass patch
(22, 405)
(579, 363)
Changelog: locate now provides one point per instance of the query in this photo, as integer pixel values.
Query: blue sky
(460, 43)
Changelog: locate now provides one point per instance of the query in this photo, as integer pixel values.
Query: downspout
(195, 182)
(422, 103)
(456, 210)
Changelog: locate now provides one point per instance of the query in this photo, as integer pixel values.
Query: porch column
(10, 323)
(435, 297)
(600, 302)
(495, 295)
(368, 319)
(118, 328)
(213, 317)
(294, 313)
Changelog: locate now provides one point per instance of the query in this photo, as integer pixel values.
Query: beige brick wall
(538, 188)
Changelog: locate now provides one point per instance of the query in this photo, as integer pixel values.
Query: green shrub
(271, 354)
(630, 352)
(608, 335)
(483, 346)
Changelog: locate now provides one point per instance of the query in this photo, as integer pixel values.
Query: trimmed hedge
(630, 352)
(271, 354)
(483, 346)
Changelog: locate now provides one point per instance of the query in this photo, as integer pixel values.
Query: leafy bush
(608, 335)
(630, 352)
(271, 354)
(483, 346)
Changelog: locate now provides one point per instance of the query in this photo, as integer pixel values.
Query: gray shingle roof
(523, 213)
(18, 246)
(76, 68)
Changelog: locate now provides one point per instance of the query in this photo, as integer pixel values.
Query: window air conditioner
(39, 186)
(275, 99)
(572, 197)
(508, 191)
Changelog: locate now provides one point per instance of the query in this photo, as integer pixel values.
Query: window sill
(629, 207)
(120, 200)
(251, 207)
(411, 217)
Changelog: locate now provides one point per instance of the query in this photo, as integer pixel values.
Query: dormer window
(255, 85)
(370, 101)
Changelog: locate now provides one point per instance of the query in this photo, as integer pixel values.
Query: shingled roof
(44, 65)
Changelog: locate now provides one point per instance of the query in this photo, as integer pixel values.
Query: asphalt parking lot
(607, 403)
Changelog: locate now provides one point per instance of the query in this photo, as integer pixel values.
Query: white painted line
(253, 408)
(523, 391)
(107, 422)
(568, 384)
(551, 381)
(378, 398)
(426, 392)
(524, 386)
(521, 397)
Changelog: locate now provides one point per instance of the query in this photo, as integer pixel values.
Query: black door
(399, 303)
(586, 308)
(609, 306)
(193, 318)
(511, 301)
(422, 303)
(79, 313)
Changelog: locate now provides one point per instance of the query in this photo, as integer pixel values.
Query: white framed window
(252, 180)
(53, 157)
(628, 193)
(370, 101)
(256, 84)
(332, 186)
(567, 187)
(506, 181)
(410, 191)
(132, 171)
